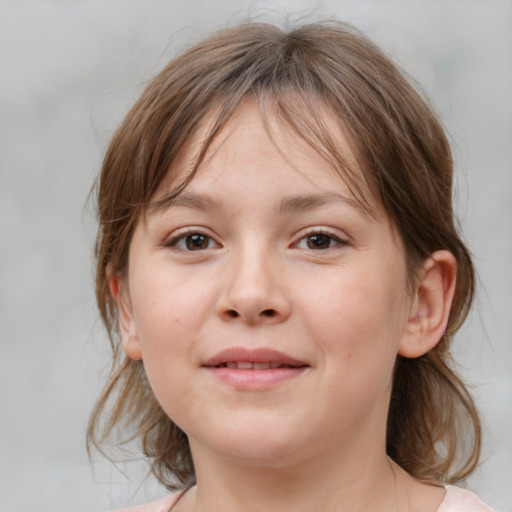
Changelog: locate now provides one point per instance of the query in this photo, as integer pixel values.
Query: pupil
(195, 242)
(318, 242)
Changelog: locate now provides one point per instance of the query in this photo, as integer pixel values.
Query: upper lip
(258, 355)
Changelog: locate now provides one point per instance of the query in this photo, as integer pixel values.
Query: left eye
(193, 242)
(319, 241)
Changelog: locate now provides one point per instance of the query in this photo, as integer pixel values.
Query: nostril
(233, 313)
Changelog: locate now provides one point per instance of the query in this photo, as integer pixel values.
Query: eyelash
(322, 233)
(183, 236)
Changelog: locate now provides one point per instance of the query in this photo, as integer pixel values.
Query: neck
(319, 483)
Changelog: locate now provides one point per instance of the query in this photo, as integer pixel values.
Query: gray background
(68, 72)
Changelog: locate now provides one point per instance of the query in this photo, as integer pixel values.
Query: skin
(320, 280)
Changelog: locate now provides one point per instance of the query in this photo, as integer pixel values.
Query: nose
(254, 290)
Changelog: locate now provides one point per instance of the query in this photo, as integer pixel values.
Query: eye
(319, 241)
(192, 242)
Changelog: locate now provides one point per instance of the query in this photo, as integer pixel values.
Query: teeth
(248, 365)
(261, 366)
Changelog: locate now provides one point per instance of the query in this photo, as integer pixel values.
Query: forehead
(259, 135)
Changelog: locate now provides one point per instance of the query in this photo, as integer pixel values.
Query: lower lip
(255, 379)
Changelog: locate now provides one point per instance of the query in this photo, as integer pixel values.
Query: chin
(258, 447)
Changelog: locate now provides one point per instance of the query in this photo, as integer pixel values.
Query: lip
(258, 355)
(284, 367)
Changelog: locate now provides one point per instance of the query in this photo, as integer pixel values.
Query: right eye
(192, 242)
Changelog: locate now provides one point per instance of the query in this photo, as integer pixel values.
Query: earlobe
(127, 327)
(431, 306)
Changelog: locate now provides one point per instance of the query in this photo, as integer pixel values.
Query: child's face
(261, 256)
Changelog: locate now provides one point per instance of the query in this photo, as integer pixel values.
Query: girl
(280, 275)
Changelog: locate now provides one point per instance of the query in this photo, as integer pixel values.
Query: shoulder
(460, 500)
(163, 505)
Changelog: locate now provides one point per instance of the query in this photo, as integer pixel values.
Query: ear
(431, 306)
(127, 326)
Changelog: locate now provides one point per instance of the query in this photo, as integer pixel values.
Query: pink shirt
(455, 500)
(460, 500)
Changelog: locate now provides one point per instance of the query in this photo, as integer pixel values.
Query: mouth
(240, 358)
(252, 365)
(254, 369)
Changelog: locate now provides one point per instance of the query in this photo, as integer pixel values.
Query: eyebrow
(195, 201)
(285, 206)
(295, 204)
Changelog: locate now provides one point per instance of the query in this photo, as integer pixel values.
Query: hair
(433, 428)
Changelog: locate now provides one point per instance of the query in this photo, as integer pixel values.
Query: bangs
(300, 114)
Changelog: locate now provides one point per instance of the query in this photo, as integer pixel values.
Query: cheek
(358, 316)
(168, 310)
(166, 330)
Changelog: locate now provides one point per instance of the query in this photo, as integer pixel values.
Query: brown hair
(433, 428)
